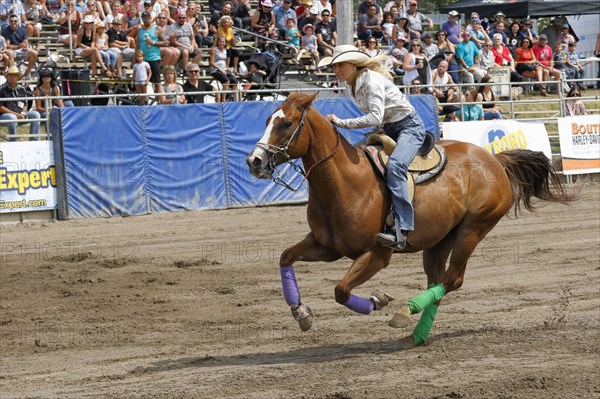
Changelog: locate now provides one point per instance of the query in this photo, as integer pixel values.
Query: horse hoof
(380, 299)
(401, 318)
(303, 316)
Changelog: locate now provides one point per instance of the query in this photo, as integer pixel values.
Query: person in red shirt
(503, 57)
(544, 55)
(529, 67)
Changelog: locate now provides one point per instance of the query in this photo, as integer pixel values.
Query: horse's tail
(531, 174)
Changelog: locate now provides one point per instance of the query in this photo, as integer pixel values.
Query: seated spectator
(52, 11)
(255, 78)
(91, 9)
(401, 27)
(467, 56)
(303, 9)
(449, 113)
(326, 32)
(218, 69)
(181, 36)
(16, 110)
(499, 30)
(109, 58)
(69, 13)
(478, 35)
(529, 67)
(447, 48)
(120, 43)
(85, 47)
(565, 37)
(370, 25)
(263, 23)
(372, 47)
(470, 112)
(322, 5)
(133, 21)
(282, 13)
(199, 24)
(310, 17)
(308, 44)
(574, 106)
(292, 35)
(487, 56)
(47, 87)
(226, 30)
(512, 37)
(141, 76)
(416, 89)
(499, 17)
(503, 57)
(169, 55)
(34, 12)
(16, 40)
(573, 62)
(429, 48)
(527, 31)
(395, 59)
(452, 27)
(443, 85)
(147, 7)
(193, 84)
(6, 55)
(363, 8)
(486, 96)
(115, 13)
(416, 20)
(415, 65)
(545, 56)
(172, 92)
(241, 14)
(560, 63)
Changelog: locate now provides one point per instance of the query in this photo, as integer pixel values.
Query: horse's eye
(287, 124)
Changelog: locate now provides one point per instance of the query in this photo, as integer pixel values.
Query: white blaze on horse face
(258, 151)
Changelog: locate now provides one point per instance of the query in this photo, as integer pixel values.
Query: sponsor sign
(580, 144)
(500, 75)
(27, 177)
(500, 135)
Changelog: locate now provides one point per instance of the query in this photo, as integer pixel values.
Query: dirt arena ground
(189, 305)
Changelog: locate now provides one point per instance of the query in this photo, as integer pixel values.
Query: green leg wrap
(421, 301)
(423, 327)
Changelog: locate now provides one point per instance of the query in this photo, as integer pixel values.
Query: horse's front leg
(363, 268)
(308, 250)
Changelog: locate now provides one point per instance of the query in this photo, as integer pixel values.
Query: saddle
(428, 162)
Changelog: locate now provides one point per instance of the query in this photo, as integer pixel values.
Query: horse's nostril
(256, 161)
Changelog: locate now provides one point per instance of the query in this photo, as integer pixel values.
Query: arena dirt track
(189, 305)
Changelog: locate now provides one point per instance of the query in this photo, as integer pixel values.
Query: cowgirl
(370, 86)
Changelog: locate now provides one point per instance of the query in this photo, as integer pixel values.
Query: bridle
(282, 150)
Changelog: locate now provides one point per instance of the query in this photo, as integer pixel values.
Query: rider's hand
(333, 119)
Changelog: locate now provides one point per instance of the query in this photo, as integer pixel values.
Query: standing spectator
(292, 35)
(416, 19)
(415, 65)
(141, 76)
(573, 62)
(574, 106)
(527, 31)
(470, 112)
(47, 87)
(529, 67)
(241, 14)
(486, 96)
(452, 27)
(69, 13)
(16, 110)
(171, 90)
(553, 31)
(503, 57)
(16, 40)
(282, 13)
(363, 9)
(120, 43)
(263, 23)
(193, 84)
(446, 47)
(430, 49)
(467, 57)
(370, 25)
(565, 36)
(326, 32)
(545, 56)
(150, 39)
(181, 36)
(218, 69)
(169, 55)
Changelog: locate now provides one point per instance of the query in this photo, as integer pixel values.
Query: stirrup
(380, 299)
(390, 241)
(303, 315)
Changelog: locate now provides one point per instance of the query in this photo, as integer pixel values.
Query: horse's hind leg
(308, 250)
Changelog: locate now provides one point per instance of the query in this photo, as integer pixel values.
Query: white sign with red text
(580, 143)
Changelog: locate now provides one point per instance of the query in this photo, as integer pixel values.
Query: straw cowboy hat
(344, 53)
(13, 70)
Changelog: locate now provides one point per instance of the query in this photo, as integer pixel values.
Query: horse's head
(282, 139)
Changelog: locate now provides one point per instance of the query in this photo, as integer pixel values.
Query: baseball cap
(146, 15)
(565, 26)
(526, 21)
(476, 20)
(411, 2)
(543, 37)
(499, 14)
(453, 13)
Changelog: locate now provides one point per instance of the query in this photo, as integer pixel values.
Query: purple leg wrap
(289, 285)
(359, 305)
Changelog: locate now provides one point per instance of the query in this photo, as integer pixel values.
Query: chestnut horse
(348, 204)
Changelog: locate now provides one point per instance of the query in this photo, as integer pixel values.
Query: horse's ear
(306, 100)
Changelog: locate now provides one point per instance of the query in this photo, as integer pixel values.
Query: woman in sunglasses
(416, 65)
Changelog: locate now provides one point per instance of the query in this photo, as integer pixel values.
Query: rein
(283, 150)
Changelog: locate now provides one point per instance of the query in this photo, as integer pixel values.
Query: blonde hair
(375, 64)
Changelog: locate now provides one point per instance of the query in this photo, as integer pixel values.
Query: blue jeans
(412, 135)
(34, 127)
